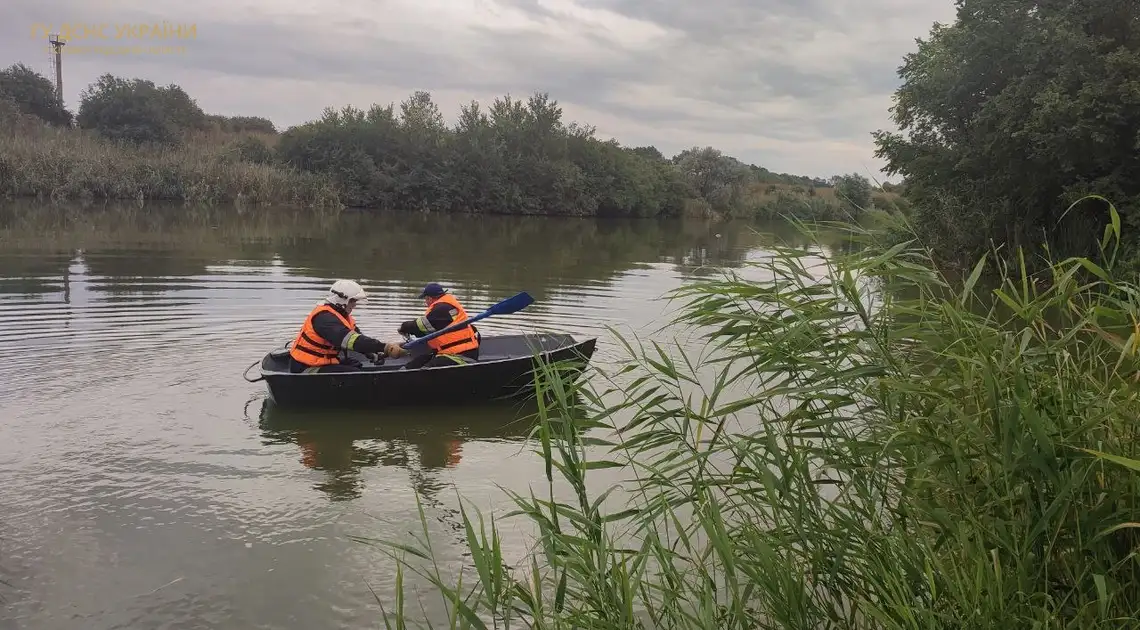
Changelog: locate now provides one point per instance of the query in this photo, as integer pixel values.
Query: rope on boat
(245, 374)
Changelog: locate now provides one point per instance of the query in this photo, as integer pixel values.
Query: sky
(795, 86)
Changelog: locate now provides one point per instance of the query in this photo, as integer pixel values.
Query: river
(148, 485)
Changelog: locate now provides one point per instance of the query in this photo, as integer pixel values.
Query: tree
(238, 124)
(516, 156)
(182, 111)
(138, 111)
(126, 110)
(649, 152)
(854, 190)
(1012, 113)
(34, 94)
(718, 178)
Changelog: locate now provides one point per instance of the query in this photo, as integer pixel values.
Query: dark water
(147, 485)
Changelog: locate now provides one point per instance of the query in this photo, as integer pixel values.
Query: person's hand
(352, 362)
(394, 350)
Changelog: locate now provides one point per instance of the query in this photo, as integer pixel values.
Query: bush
(517, 157)
(252, 149)
(854, 191)
(241, 124)
(138, 112)
(34, 94)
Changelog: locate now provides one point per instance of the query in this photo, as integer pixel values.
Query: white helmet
(344, 290)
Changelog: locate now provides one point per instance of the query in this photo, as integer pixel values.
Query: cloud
(792, 85)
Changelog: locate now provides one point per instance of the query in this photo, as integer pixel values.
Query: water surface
(148, 485)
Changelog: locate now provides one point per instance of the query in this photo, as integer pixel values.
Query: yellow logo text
(69, 32)
(83, 49)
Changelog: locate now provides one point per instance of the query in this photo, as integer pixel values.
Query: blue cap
(433, 289)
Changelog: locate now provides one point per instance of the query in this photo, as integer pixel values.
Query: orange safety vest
(314, 350)
(454, 452)
(456, 341)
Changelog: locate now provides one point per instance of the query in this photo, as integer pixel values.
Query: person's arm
(330, 327)
(439, 318)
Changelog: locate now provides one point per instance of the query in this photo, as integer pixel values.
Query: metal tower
(57, 63)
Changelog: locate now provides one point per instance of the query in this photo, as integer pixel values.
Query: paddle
(513, 304)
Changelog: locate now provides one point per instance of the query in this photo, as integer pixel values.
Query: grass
(71, 164)
(772, 201)
(866, 444)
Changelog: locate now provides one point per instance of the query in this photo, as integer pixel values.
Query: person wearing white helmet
(330, 330)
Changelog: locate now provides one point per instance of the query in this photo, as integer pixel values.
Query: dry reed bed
(60, 164)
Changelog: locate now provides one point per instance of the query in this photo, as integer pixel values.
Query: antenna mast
(57, 62)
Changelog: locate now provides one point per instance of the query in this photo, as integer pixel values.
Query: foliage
(252, 149)
(718, 179)
(854, 190)
(867, 444)
(515, 156)
(1013, 112)
(13, 120)
(240, 124)
(59, 164)
(138, 112)
(34, 94)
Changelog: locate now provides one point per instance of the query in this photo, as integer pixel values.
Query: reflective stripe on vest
(314, 350)
(455, 341)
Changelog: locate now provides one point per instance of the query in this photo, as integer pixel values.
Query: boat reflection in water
(422, 440)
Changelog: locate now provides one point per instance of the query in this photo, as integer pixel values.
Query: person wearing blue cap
(456, 347)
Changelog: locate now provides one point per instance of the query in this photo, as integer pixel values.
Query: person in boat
(330, 331)
(456, 347)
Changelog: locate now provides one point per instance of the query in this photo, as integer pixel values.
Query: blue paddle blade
(512, 304)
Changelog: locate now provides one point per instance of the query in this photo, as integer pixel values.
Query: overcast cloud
(792, 85)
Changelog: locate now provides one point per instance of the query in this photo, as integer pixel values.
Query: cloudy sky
(792, 85)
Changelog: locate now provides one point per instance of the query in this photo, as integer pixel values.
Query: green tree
(649, 152)
(1013, 112)
(182, 111)
(516, 156)
(716, 177)
(854, 190)
(138, 111)
(241, 124)
(126, 110)
(34, 94)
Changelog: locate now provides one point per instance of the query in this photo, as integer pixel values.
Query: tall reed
(73, 164)
(869, 444)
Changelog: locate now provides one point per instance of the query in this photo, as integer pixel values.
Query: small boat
(506, 369)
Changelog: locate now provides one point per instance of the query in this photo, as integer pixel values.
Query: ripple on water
(140, 494)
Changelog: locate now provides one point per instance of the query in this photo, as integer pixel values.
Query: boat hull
(506, 369)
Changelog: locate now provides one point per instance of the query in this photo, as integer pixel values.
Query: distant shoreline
(136, 141)
(67, 164)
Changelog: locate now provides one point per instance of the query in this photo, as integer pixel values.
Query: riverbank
(71, 164)
(884, 447)
(345, 162)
